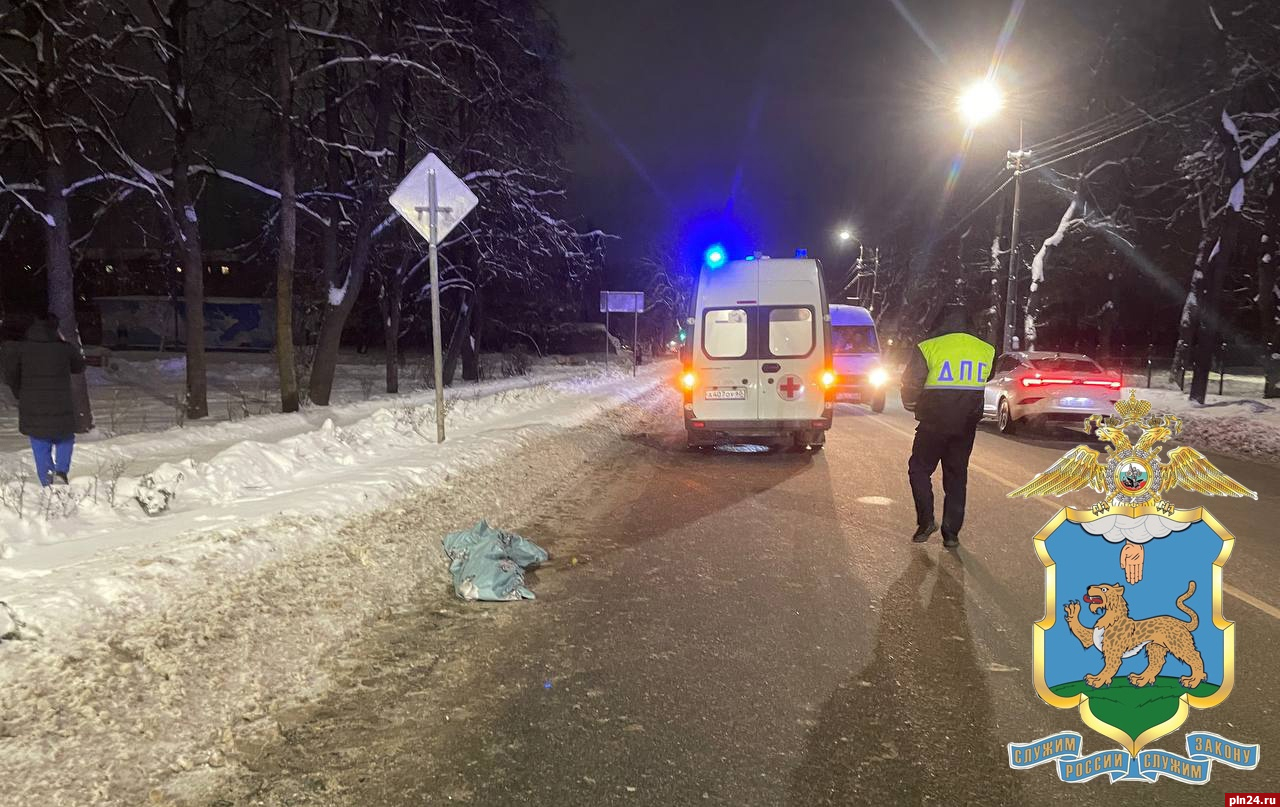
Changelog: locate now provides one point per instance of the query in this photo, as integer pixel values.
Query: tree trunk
(333, 173)
(1269, 291)
(461, 332)
(392, 309)
(61, 277)
(1216, 268)
(288, 220)
(392, 300)
(999, 278)
(471, 347)
(343, 298)
(186, 224)
(57, 229)
(1189, 324)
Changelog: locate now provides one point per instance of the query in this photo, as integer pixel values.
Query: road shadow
(916, 725)
(1049, 437)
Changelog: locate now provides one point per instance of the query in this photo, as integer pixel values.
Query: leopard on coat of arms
(1118, 636)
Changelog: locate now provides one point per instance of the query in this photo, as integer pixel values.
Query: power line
(1130, 130)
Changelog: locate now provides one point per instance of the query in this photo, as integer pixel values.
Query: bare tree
(53, 50)
(288, 247)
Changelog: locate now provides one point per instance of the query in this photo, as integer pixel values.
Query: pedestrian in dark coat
(39, 370)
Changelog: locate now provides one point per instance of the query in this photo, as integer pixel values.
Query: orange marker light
(828, 379)
(688, 380)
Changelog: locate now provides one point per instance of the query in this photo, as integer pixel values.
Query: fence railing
(1147, 366)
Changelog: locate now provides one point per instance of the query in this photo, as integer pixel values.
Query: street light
(981, 102)
(845, 235)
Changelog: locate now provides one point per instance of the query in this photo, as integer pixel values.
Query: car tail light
(1038, 381)
(1110, 383)
(688, 381)
(828, 379)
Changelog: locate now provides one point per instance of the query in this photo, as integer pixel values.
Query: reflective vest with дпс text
(957, 361)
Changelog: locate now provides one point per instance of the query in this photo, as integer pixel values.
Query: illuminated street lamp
(978, 104)
(845, 235)
(981, 102)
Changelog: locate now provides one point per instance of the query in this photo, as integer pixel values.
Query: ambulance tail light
(829, 379)
(688, 380)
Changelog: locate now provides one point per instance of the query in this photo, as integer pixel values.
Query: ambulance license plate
(727, 394)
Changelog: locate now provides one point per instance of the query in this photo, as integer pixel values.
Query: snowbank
(164, 653)
(74, 556)
(1240, 426)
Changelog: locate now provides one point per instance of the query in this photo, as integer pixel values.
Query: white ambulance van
(758, 368)
(861, 377)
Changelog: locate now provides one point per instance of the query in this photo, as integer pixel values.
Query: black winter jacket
(38, 370)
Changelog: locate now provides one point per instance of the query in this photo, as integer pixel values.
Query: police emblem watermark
(1133, 634)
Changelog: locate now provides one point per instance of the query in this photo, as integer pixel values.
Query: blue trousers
(45, 452)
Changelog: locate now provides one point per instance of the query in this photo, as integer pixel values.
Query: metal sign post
(623, 302)
(437, 355)
(418, 194)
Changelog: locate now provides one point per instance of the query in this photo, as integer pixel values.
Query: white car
(1044, 387)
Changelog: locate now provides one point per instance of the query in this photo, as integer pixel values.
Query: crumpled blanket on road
(489, 564)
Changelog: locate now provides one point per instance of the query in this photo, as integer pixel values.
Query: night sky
(797, 117)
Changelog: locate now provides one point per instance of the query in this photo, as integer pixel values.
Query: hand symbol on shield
(1131, 561)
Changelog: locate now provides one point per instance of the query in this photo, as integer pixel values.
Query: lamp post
(978, 104)
(846, 238)
(1014, 160)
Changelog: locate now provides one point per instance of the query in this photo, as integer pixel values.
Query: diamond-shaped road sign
(454, 200)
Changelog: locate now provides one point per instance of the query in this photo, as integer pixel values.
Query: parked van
(861, 378)
(758, 367)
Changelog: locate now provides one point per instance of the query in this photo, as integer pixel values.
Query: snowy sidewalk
(69, 558)
(171, 650)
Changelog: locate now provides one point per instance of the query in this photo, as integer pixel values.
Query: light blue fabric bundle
(489, 564)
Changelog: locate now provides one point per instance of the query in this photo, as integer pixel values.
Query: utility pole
(1015, 161)
(875, 279)
(859, 277)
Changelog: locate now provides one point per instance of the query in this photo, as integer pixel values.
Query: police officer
(943, 384)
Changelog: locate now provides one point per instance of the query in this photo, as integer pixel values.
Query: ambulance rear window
(724, 333)
(790, 332)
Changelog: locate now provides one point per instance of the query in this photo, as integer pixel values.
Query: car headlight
(879, 377)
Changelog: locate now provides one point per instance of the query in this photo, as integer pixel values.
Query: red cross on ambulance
(791, 387)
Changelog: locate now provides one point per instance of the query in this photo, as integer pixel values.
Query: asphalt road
(747, 628)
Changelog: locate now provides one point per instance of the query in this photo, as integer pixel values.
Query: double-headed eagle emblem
(1130, 474)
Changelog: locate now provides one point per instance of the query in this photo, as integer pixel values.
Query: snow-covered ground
(104, 604)
(61, 549)
(1239, 422)
(139, 391)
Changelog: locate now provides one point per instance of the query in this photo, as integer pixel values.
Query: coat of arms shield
(1133, 633)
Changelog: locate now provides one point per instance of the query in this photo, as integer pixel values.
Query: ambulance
(757, 368)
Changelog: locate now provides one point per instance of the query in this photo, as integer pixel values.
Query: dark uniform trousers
(952, 450)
